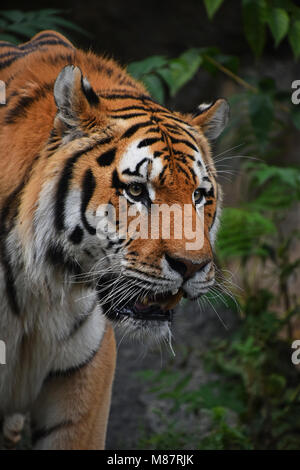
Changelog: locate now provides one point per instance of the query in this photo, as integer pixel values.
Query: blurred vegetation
(255, 402)
(17, 25)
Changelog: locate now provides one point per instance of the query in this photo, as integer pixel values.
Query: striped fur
(75, 131)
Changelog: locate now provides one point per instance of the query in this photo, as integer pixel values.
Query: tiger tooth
(174, 291)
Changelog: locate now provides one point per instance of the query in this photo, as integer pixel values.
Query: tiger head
(121, 150)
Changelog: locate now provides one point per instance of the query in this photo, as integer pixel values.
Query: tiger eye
(135, 189)
(198, 195)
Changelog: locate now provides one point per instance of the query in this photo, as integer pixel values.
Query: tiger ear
(212, 118)
(73, 96)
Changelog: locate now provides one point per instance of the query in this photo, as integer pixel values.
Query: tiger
(78, 132)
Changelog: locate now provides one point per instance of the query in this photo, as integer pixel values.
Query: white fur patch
(131, 159)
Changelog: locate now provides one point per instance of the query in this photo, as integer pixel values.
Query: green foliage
(224, 436)
(212, 7)
(255, 401)
(254, 17)
(242, 233)
(281, 17)
(157, 72)
(277, 188)
(15, 25)
(279, 22)
(261, 112)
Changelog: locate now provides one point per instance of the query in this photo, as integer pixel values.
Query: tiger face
(129, 154)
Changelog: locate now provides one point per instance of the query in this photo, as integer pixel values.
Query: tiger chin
(78, 133)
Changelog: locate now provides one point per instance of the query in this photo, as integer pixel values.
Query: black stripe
(133, 129)
(77, 235)
(4, 231)
(20, 108)
(72, 370)
(10, 209)
(130, 108)
(136, 172)
(21, 53)
(90, 94)
(76, 327)
(8, 44)
(180, 168)
(147, 142)
(8, 62)
(44, 36)
(174, 118)
(9, 54)
(116, 182)
(154, 130)
(56, 255)
(210, 193)
(36, 43)
(125, 96)
(179, 129)
(127, 116)
(27, 49)
(161, 174)
(185, 155)
(107, 158)
(185, 142)
(64, 183)
(193, 173)
(88, 188)
(145, 99)
(41, 433)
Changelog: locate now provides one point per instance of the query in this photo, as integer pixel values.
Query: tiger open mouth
(153, 307)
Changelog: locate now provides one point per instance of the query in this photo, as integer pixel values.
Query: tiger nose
(185, 267)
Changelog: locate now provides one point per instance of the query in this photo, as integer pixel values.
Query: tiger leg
(71, 412)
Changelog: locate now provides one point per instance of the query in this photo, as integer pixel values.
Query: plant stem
(240, 80)
(232, 75)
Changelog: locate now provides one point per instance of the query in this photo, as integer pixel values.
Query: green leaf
(278, 21)
(212, 6)
(263, 173)
(155, 86)
(139, 68)
(242, 233)
(9, 38)
(14, 16)
(269, 178)
(29, 23)
(254, 18)
(23, 29)
(294, 38)
(181, 70)
(261, 110)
